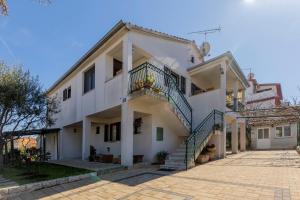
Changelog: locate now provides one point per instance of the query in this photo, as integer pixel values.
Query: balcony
(151, 80)
(235, 104)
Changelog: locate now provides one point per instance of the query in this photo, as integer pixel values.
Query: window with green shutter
(159, 134)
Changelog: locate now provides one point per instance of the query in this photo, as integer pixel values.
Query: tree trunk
(1, 153)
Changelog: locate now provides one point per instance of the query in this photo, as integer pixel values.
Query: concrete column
(127, 65)
(224, 132)
(60, 141)
(243, 136)
(223, 88)
(235, 95)
(127, 135)
(127, 111)
(86, 131)
(234, 137)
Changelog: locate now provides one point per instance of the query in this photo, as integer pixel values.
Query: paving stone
(249, 176)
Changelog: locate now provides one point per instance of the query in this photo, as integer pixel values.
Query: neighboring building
(139, 91)
(26, 143)
(274, 134)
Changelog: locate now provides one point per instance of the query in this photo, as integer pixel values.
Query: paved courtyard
(249, 175)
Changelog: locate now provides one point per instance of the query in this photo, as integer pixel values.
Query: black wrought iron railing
(194, 143)
(148, 77)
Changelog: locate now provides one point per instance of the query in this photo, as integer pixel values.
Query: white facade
(84, 115)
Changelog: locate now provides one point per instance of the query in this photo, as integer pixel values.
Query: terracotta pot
(203, 158)
(212, 155)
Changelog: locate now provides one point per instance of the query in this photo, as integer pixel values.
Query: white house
(138, 91)
(269, 134)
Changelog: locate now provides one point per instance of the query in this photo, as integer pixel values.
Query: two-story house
(138, 91)
(278, 133)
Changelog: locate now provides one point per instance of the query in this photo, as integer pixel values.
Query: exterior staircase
(186, 154)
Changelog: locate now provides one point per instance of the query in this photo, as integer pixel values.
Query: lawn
(39, 172)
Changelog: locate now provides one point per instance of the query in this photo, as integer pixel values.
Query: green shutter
(159, 134)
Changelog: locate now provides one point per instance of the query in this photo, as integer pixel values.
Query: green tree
(24, 105)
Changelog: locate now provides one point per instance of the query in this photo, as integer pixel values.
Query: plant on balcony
(149, 81)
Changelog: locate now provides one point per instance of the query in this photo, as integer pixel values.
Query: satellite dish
(205, 48)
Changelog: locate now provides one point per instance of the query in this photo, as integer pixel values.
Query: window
(287, 131)
(112, 132)
(117, 67)
(67, 93)
(137, 125)
(159, 134)
(89, 80)
(180, 81)
(182, 84)
(283, 131)
(98, 130)
(176, 78)
(192, 59)
(263, 133)
(278, 132)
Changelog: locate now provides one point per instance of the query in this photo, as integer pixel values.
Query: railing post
(186, 152)
(194, 149)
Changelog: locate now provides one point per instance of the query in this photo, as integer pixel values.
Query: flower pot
(212, 155)
(203, 158)
(298, 149)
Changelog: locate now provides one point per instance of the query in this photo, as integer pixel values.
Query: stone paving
(6, 183)
(250, 175)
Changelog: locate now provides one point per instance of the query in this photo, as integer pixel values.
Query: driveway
(249, 175)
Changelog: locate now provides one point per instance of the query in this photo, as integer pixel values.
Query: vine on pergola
(271, 116)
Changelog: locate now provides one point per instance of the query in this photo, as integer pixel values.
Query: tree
(24, 105)
(4, 5)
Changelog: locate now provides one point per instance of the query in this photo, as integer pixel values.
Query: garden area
(29, 165)
(39, 171)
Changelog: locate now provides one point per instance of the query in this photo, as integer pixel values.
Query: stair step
(172, 167)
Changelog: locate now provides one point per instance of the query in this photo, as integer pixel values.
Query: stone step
(174, 157)
(172, 167)
(175, 163)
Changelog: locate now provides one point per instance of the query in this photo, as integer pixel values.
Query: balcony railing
(196, 141)
(148, 77)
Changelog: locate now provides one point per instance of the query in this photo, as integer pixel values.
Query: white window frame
(283, 131)
(263, 132)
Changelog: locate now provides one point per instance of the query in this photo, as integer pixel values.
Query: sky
(263, 35)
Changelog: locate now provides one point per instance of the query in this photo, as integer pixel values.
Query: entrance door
(263, 138)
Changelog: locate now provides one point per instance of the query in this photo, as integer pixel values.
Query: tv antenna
(208, 31)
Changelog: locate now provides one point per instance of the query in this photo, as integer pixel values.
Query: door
(263, 138)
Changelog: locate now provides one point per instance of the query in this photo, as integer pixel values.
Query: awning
(32, 132)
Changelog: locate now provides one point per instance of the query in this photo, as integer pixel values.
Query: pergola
(271, 116)
(41, 132)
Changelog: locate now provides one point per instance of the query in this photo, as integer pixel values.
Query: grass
(39, 172)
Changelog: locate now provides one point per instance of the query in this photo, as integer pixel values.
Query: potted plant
(203, 157)
(298, 149)
(149, 81)
(161, 156)
(139, 84)
(211, 151)
(217, 127)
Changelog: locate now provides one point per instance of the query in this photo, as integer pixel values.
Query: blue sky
(263, 35)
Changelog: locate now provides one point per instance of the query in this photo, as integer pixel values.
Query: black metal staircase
(152, 80)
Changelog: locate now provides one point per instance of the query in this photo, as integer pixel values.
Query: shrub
(161, 156)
